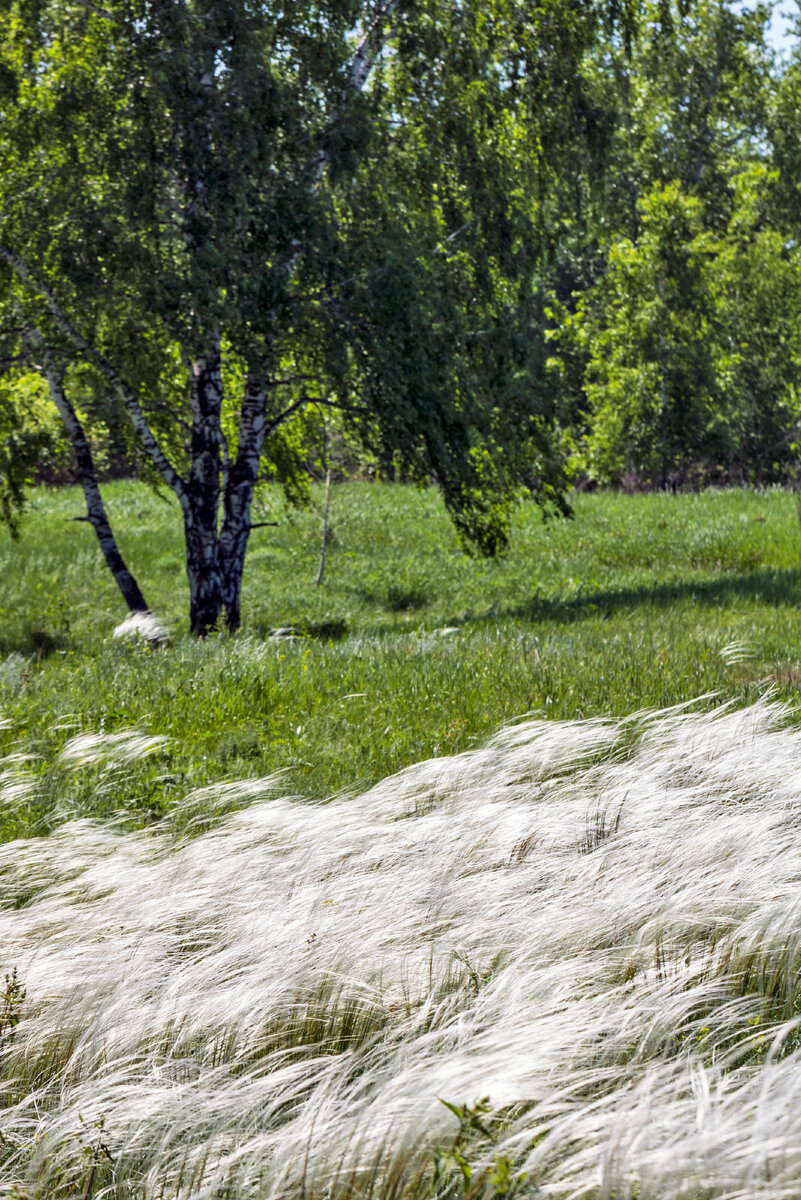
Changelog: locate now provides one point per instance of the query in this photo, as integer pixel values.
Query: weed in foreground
(12, 999)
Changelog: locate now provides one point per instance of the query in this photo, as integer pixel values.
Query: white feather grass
(109, 749)
(599, 932)
(144, 625)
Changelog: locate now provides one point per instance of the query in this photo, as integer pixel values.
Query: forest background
(661, 308)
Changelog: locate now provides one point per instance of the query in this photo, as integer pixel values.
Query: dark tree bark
(238, 497)
(203, 493)
(96, 509)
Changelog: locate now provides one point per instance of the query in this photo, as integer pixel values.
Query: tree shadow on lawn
(33, 641)
(780, 588)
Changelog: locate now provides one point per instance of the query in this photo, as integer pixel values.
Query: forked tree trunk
(96, 509)
(203, 573)
(215, 554)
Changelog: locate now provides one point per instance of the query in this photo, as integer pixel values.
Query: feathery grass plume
(595, 928)
(203, 807)
(16, 781)
(109, 749)
(736, 653)
(96, 772)
(13, 669)
(18, 787)
(145, 625)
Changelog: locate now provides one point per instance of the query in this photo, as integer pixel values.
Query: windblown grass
(584, 937)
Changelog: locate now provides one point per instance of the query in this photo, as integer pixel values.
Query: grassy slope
(627, 606)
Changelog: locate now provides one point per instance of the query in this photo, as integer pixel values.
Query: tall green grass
(408, 649)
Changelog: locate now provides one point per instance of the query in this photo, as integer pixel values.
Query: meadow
(541, 939)
(407, 650)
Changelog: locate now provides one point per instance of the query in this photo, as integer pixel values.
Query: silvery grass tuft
(585, 938)
(109, 749)
(143, 625)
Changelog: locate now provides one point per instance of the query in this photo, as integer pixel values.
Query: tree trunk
(215, 554)
(206, 598)
(238, 498)
(94, 501)
(203, 572)
(324, 546)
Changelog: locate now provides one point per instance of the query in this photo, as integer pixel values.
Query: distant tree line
(675, 312)
(498, 246)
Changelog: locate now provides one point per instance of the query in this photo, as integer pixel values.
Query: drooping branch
(289, 411)
(290, 380)
(302, 402)
(93, 8)
(97, 359)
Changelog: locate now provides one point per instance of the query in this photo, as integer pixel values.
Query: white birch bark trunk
(96, 509)
(238, 498)
(201, 515)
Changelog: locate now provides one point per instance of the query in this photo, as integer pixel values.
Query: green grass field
(408, 650)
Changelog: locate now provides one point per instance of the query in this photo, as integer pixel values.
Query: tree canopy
(232, 212)
(498, 244)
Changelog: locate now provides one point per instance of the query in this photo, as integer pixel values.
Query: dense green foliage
(489, 247)
(29, 435)
(676, 331)
(691, 347)
(227, 214)
(635, 603)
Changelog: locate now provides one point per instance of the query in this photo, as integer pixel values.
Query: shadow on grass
(777, 587)
(33, 642)
(780, 588)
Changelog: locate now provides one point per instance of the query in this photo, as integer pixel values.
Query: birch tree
(341, 198)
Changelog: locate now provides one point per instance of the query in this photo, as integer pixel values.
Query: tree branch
(360, 65)
(300, 403)
(364, 55)
(92, 8)
(362, 409)
(14, 360)
(106, 368)
(296, 406)
(290, 379)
